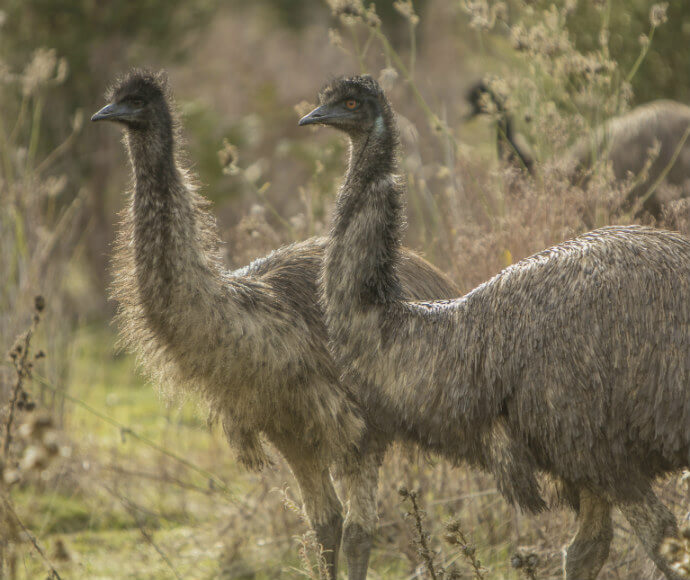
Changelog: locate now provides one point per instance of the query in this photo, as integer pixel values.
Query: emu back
(589, 343)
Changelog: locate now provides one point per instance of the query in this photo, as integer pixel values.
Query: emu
(579, 356)
(251, 342)
(511, 145)
(626, 142)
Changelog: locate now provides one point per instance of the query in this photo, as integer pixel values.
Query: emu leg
(329, 534)
(652, 522)
(357, 541)
(589, 548)
(513, 468)
(321, 503)
(360, 485)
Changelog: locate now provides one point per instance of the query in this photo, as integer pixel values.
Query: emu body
(252, 342)
(627, 142)
(574, 362)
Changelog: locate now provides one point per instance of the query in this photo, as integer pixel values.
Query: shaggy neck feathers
(364, 308)
(174, 248)
(368, 221)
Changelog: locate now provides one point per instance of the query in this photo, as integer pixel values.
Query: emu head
(356, 105)
(139, 100)
(481, 97)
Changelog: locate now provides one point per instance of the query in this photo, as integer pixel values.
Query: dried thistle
(456, 537)
(371, 19)
(44, 69)
(658, 14)
(20, 399)
(526, 562)
(483, 15)
(310, 551)
(677, 552)
(421, 541)
(228, 156)
(406, 9)
(347, 8)
(311, 556)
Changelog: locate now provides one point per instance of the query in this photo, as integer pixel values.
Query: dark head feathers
(141, 100)
(142, 82)
(350, 87)
(476, 94)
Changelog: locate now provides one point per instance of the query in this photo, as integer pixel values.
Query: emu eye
(351, 104)
(136, 102)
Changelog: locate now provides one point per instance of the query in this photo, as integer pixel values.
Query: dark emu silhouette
(577, 358)
(251, 342)
(511, 145)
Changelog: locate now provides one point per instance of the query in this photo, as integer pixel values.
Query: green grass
(109, 381)
(90, 500)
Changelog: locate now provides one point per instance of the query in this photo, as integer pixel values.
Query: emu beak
(321, 115)
(114, 112)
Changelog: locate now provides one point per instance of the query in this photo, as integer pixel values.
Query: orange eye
(351, 104)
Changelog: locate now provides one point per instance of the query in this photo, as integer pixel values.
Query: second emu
(578, 357)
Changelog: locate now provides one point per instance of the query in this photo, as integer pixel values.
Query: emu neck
(152, 155)
(504, 138)
(172, 269)
(375, 336)
(510, 148)
(362, 253)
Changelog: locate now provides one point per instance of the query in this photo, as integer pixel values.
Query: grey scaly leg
(586, 554)
(360, 486)
(652, 522)
(321, 503)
